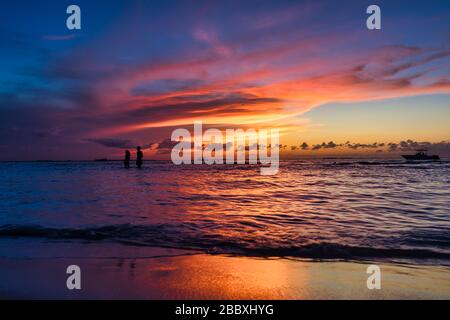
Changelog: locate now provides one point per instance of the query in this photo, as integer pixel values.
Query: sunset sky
(139, 69)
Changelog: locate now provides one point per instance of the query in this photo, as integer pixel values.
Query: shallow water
(324, 209)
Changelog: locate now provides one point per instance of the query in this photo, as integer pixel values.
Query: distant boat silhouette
(420, 155)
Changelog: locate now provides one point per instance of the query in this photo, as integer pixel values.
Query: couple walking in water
(139, 158)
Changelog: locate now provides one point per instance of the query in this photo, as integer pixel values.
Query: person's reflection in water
(139, 157)
(126, 161)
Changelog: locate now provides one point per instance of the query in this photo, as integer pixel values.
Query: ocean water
(314, 209)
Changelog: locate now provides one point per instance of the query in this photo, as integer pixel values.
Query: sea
(320, 209)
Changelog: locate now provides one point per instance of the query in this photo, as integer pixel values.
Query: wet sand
(175, 274)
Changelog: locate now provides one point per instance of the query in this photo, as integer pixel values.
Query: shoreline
(166, 274)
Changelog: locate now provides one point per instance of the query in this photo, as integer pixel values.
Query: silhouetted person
(139, 157)
(126, 161)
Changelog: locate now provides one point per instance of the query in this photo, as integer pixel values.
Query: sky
(137, 70)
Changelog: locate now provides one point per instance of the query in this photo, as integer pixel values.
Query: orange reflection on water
(200, 277)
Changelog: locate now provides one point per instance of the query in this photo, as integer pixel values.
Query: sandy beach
(157, 273)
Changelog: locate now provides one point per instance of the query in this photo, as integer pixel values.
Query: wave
(162, 236)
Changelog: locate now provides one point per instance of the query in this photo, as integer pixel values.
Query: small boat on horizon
(420, 155)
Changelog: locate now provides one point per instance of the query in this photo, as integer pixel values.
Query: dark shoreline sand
(155, 273)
